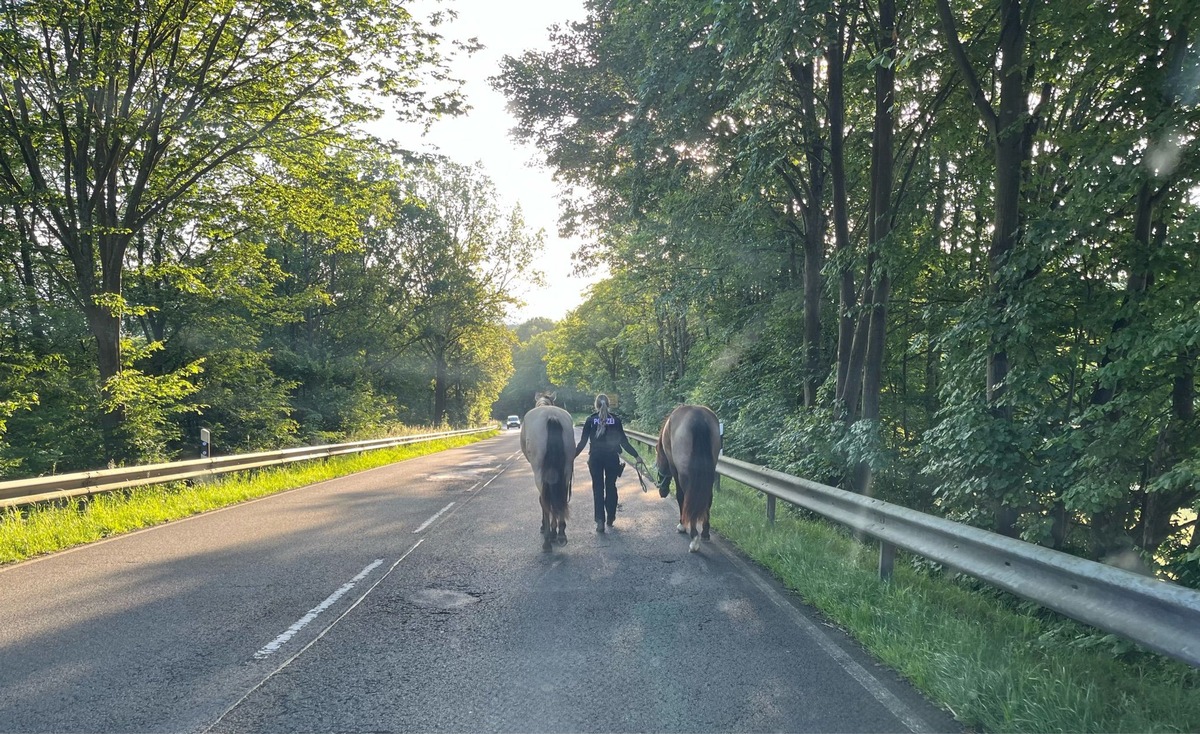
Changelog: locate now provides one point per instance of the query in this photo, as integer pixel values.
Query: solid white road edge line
(873, 685)
(301, 623)
(429, 522)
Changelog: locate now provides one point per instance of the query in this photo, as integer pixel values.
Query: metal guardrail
(63, 486)
(1160, 615)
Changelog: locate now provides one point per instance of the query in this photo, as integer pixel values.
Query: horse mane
(544, 398)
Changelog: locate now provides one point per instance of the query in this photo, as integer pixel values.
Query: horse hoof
(562, 539)
(694, 545)
(681, 529)
(547, 545)
(664, 493)
(704, 535)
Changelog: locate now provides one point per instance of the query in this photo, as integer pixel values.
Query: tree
(529, 369)
(113, 113)
(1011, 128)
(460, 260)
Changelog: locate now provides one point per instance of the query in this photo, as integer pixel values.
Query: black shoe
(610, 521)
(600, 528)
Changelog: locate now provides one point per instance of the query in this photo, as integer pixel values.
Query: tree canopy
(936, 252)
(195, 233)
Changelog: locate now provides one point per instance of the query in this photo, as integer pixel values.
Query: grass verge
(997, 663)
(40, 529)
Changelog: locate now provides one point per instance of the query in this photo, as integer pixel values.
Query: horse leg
(679, 492)
(545, 513)
(562, 531)
(547, 527)
(695, 544)
(704, 532)
(663, 468)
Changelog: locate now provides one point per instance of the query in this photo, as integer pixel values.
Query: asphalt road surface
(416, 598)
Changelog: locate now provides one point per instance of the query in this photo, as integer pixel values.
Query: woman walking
(604, 430)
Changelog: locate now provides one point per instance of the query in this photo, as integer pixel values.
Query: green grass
(998, 664)
(40, 529)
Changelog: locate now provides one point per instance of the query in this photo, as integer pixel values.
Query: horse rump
(548, 443)
(690, 442)
(701, 475)
(701, 472)
(556, 483)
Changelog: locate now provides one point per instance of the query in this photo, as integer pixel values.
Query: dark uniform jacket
(610, 444)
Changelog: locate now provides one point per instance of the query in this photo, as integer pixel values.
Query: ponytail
(602, 412)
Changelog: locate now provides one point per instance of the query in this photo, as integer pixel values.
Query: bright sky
(505, 28)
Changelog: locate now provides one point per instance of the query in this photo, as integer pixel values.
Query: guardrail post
(771, 508)
(887, 560)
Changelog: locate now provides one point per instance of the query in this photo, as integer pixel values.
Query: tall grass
(998, 664)
(46, 528)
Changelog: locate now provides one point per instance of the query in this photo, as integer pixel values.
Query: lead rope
(641, 479)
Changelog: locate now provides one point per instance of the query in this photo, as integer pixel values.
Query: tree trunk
(1011, 137)
(29, 279)
(880, 226)
(440, 386)
(1159, 508)
(841, 217)
(813, 212)
(106, 330)
(813, 258)
(1108, 524)
(99, 299)
(850, 399)
(882, 179)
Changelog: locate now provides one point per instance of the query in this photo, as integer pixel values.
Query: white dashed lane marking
(303, 622)
(430, 521)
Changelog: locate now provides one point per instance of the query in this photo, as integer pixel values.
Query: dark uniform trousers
(603, 468)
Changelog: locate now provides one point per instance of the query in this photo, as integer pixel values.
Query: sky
(504, 28)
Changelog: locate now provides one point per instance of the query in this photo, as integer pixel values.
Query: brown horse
(688, 446)
(548, 442)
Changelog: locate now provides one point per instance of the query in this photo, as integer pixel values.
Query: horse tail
(701, 471)
(556, 487)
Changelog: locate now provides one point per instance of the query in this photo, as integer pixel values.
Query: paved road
(415, 597)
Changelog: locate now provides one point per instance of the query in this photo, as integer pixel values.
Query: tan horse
(548, 442)
(688, 446)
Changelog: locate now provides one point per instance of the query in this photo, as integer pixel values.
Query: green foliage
(15, 396)
(480, 373)
(703, 136)
(150, 402)
(159, 148)
(60, 431)
(246, 405)
(529, 370)
(296, 314)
